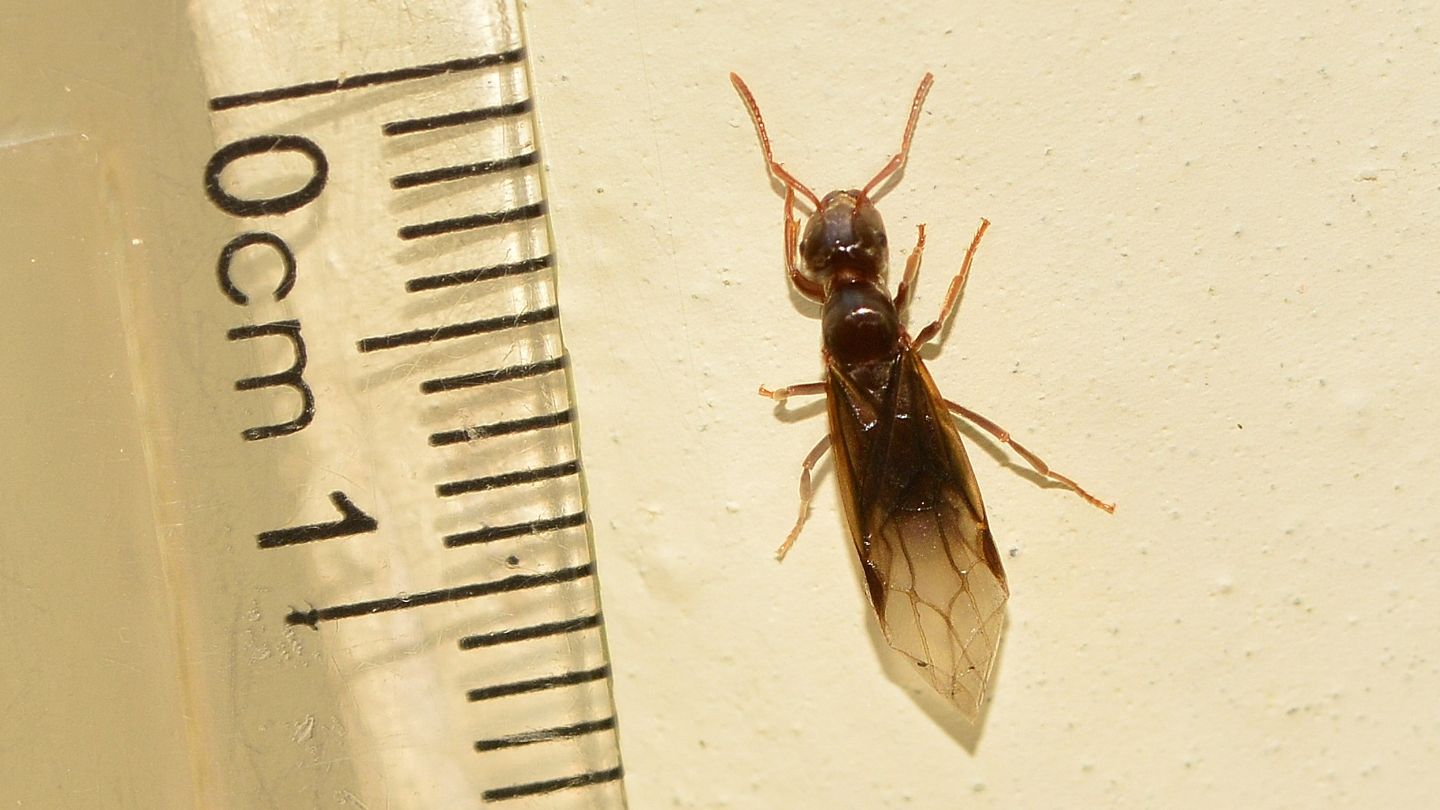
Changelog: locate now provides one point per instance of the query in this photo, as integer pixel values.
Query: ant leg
(898, 159)
(912, 270)
(1040, 466)
(805, 494)
(807, 288)
(957, 286)
(801, 390)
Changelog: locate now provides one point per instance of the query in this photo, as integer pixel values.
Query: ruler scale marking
(410, 126)
(545, 735)
(470, 434)
(463, 170)
(553, 785)
(519, 582)
(449, 332)
(494, 271)
(538, 684)
(510, 479)
(532, 632)
(493, 533)
(472, 222)
(359, 80)
(499, 375)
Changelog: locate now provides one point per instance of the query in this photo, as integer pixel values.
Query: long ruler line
(358, 80)
(519, 582)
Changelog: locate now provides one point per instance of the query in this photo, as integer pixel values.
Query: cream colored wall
(1208, 294)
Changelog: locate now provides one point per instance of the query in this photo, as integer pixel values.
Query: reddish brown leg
(805, 495)
(1035, 461)
(957, 286)
(912, 270)
(801, 390)
(807, 288)
(898, 159)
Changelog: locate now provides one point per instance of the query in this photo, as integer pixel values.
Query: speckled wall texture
(1208, 293)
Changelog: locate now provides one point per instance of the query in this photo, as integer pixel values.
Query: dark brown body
(900, 462)
(915, 513)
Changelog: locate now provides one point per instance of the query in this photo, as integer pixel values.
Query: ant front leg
(912, 271)
(957, 286)
(806, 287)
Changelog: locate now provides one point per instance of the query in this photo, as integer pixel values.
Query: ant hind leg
(1035, 461)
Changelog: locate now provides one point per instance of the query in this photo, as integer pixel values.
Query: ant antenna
(775, 168)
(899, 159)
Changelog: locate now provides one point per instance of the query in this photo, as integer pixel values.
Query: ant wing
(933, 574)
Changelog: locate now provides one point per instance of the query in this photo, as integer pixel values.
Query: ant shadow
(791, 414)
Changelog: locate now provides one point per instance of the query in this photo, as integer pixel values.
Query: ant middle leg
(801, 390)
(806, 494)
(906, 290)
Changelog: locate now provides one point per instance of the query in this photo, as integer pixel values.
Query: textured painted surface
(1208, 294)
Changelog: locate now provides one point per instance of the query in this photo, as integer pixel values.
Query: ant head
(845, 236)
(844, 240)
